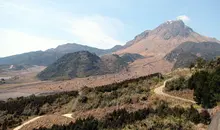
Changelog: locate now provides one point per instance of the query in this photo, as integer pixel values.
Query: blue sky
(30, 25)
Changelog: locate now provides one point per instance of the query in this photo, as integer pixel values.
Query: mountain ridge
(164, 39)
(51, 55)
(187, 53)
(157, 43)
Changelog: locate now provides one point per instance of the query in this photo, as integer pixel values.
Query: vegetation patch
(205, 82)
(180, 83)
(161, 117)
(126, 92)
(14, 111)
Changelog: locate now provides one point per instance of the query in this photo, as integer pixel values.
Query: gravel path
(69, 115)
(28, 122)
(159, 91)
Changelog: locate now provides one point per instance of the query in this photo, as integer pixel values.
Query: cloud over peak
(184, 18)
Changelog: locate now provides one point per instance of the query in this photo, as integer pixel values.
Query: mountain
(51, 55)
(156, 43)
(82, 64)
(137, 38)
(128, 57)
(113, 63)
(187, 53)
(163, 39)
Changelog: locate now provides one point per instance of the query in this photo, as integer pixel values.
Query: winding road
(215, 123)
(159, 91)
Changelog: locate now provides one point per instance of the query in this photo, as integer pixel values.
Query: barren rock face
(163, 39)
(172, 29)
(137, 38)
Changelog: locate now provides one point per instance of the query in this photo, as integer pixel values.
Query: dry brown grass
(172, 102)
(100, 112)
(21, 77)
(186, 94)
(49, 120)
(181, 72)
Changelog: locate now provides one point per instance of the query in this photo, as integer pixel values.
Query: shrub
(89, 123)
(83, 99)
(206, 88)
(177, 84)
(118, 119)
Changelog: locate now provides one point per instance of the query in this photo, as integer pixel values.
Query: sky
(31, 25)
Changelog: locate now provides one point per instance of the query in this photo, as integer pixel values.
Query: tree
(4, 125)
(206, 88)
(191, 66)
(200, 62)
(2, 81)
(218, 60)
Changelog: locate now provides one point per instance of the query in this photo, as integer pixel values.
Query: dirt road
(32, 120)
(69, 115)
(159, 91)
(215, 124)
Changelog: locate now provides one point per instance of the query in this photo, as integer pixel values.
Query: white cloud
(15, 42)
(184, 18)
(98, 31)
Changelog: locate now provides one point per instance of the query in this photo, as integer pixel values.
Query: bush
(83, 99)
(118, 119)
(89, 123)
(177, 84)
(206, 88)
(190, 114)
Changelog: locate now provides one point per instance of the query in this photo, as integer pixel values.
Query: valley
(136, 69)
